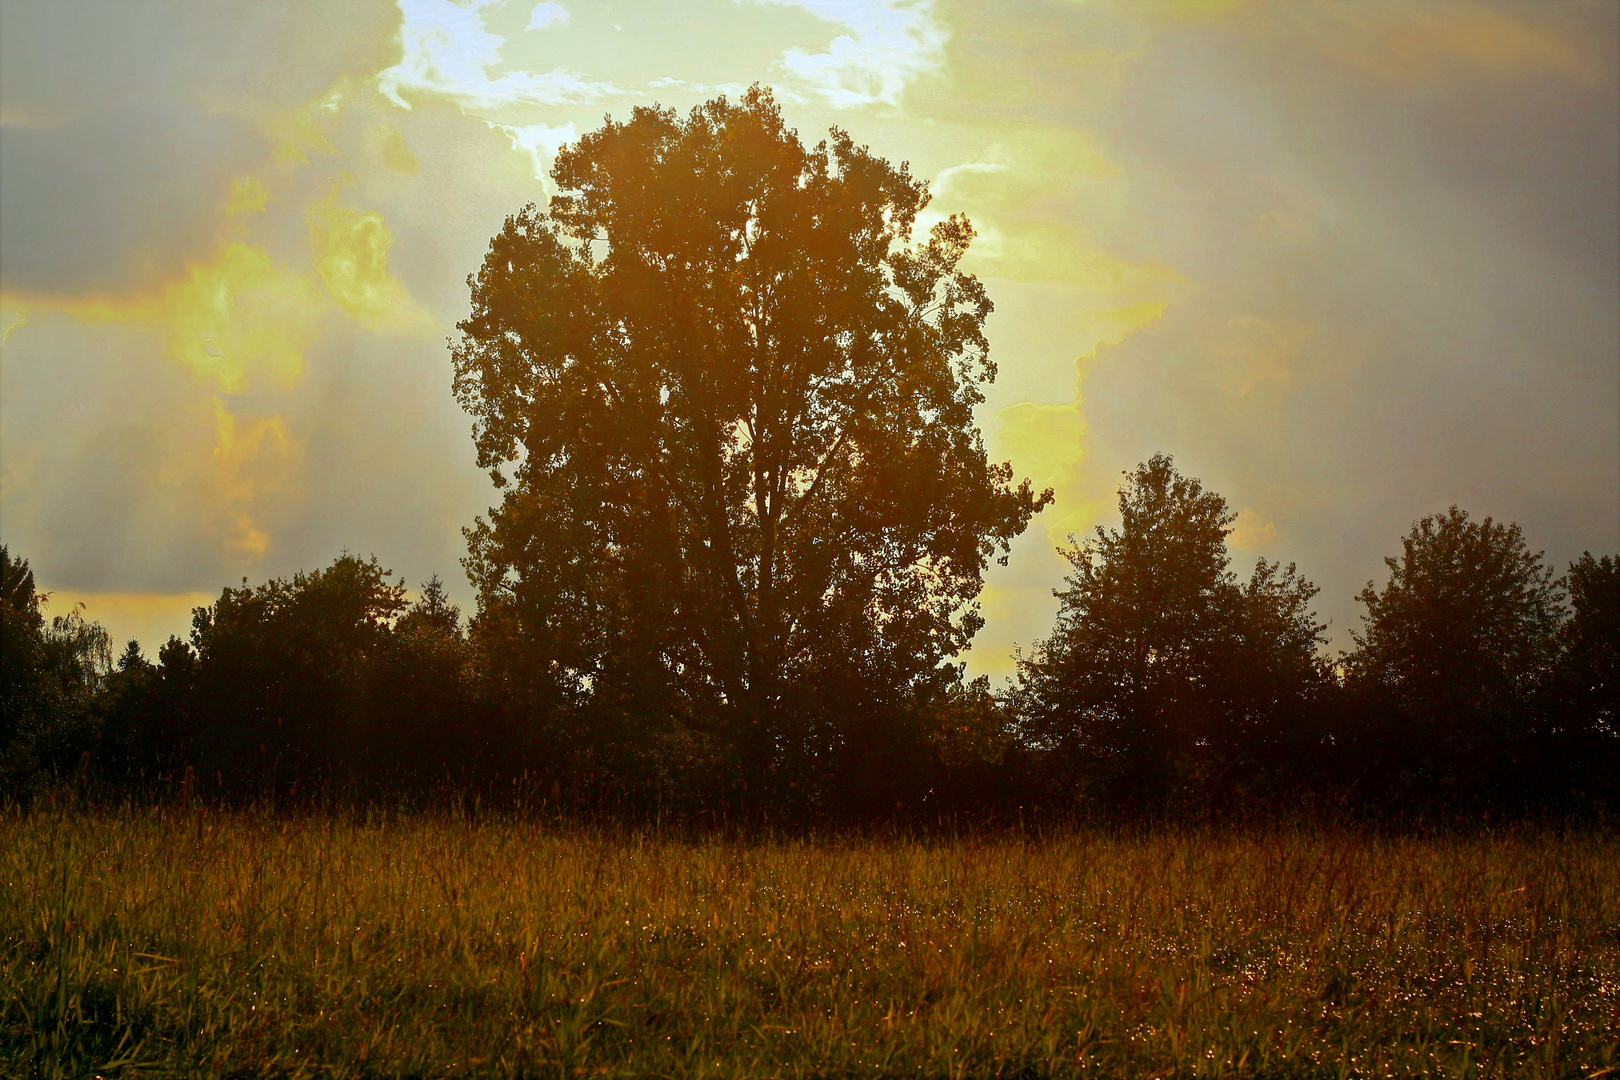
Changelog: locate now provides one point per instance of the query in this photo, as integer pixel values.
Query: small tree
(1450, 651)
(1589, 644)
(1163, 672)
(420, 719)
(50, 673)
(1575, 746)
(22, 660)
(278, 687)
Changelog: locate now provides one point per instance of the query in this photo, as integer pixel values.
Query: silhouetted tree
(22, 658)
(1574, 748)
(420, 722)
(747, 510)
(50, 674)
(77, 659)
(279, 674)
(1165, 679)
(145, 716)
(1451, 650)
(980, 764)
(1589, 642)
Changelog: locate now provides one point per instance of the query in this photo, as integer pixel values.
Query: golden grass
(210, 943)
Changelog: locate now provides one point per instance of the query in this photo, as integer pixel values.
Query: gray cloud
(112, 200)
(124, 123)
(1450, 251)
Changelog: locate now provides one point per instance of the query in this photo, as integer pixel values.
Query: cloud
(240, 322)
(110, 201)
(887, 45)
(1261, 354)
(1426, 43)
(448, 51)
(1047, 442)
(547, 14)
(235, 320)
(391, 147)
(1037, 197)
(254, 458)
(11, 317)
(1252, 531)
(1034, 196)
(126, 122)
(350, 249)
(124, 472)
(541, 143)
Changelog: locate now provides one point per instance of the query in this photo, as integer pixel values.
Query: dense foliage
(1166, 679)
(1480, 682)
(747, 511)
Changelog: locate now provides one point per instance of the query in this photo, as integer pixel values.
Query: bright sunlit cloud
(885, 46)
(449, 51)
(547, 14)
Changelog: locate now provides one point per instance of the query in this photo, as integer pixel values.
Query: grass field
(209, 943)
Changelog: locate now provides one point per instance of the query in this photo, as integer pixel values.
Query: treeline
(1480, 681)
(726, 388)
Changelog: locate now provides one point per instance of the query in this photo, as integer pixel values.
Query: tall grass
(240, 944)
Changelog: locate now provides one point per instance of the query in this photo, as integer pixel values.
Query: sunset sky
(1348, 263)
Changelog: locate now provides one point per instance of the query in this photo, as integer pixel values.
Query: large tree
(731, 406)
(1166, 677)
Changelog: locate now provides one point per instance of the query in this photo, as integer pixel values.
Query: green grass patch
(206, 943)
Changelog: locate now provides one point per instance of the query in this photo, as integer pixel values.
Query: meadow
(216, 943)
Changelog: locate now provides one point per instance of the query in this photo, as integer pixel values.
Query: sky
(1349, 263)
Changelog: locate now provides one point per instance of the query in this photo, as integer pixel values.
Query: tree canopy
(1164, 676)
(731, 403)
(1467, 617)
(1589, 643)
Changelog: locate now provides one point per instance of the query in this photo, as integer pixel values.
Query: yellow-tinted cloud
(234, 320)
(1028, 200)
(149, 617)
(240, 320)
(12, 315)
(350, 249)
(1047, 442)
(1416, 43)
(1261, 354)
(240, 317)
(1252, 531)
(253, 458)
(297, 133)
(390, 146)
(248, 196)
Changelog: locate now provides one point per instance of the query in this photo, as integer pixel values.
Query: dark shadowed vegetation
(1169, 688)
